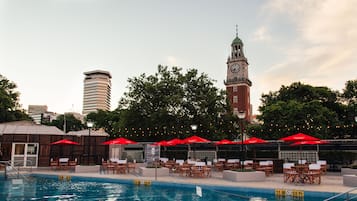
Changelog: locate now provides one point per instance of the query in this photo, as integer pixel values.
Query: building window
(235, 88)
(235, 111)
(235, 99)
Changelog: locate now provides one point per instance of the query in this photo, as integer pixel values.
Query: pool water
(53, 188)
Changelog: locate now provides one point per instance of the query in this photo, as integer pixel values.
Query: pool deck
(330, 182)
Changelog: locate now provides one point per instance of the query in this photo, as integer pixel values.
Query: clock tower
(237, 83)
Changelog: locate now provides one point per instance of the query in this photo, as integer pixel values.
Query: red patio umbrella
(162, 143)
(195, 139)
(120, 140)
(65, 142)
(313, 142)
(175, 141)
(225, 141)
(254, 140)
(299, 137)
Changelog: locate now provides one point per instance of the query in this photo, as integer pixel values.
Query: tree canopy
(9, 102)
(304, 108)
(166, 104)
(72, 123)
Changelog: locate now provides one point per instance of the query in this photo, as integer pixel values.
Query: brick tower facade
(238, 83)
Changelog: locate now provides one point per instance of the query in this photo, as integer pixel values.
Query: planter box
(243, 176)
(150, 172)
(348, 171)
(350, 180)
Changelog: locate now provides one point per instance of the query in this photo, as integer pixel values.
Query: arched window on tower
(235, 111)
(235, 99)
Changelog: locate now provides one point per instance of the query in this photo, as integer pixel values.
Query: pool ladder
(347, 194)
(11, 171)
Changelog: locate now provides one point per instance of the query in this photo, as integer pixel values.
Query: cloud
(261, 34)
(324, 48)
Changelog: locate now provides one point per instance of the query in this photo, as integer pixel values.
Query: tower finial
(236, 30)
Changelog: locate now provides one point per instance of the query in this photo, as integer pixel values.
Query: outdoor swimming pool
(46, 187)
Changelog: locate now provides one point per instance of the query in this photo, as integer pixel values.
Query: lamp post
(355, 134)
(241, 116)
(89, 125)
(194, 128)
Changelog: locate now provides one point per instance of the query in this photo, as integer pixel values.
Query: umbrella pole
(300, 158)
(189, 150)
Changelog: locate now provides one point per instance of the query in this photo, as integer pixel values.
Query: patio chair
(323, 165)
(218, 166)
(232, 164)
(131, 166)
(248, 164)
(313, 175)
(63, 163)
(197, 171)
(207, 171)
(54, 164)
(104, 166)
(290, 174)
(121, 166)
(163, 161)
(265, 166)
(110, 166)
(302, 161)
(179, 161)
(72, 164)
(185, 169)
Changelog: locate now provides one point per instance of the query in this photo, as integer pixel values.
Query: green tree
(168, 102)
(9, 102)
(349, 99)
(349, 93)
(301, 108)
(109, 120)
(72, 123)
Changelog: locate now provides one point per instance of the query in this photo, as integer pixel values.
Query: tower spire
(236, 30)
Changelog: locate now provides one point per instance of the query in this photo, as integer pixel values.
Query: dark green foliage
(317, 111)
(72, 123)
(9, 102)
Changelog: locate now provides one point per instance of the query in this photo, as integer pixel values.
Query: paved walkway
(331, 182)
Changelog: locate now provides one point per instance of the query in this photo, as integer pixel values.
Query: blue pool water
(45, 187)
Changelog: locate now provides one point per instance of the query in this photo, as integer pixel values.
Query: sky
(46, 45)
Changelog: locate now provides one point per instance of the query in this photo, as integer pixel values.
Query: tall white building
(96, 92)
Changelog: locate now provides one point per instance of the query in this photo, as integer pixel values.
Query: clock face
(235, 68)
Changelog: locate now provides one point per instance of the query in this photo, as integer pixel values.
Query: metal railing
(347, 194)
(309, 156)
(11, 169)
